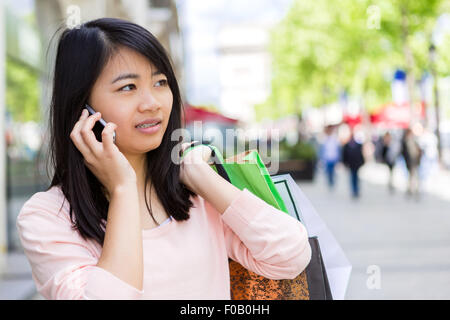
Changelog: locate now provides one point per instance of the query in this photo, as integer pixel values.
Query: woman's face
(134, 95)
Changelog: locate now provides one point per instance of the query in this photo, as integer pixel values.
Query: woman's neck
(138, 162)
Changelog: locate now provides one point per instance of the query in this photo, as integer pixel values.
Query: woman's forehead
(125, 60)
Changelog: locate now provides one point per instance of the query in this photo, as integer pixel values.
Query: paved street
(408, 239)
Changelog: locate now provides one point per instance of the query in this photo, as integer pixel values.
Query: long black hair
(81, 55)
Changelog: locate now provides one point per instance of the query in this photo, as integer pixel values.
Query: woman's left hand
(201, 179)
(193, 163)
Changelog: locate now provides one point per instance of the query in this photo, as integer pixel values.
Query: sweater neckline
(162, 229)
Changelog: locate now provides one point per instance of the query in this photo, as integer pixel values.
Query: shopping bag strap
(216, 160)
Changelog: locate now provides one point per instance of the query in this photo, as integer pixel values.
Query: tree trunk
(409, 60)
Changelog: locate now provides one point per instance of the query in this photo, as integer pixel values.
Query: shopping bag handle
(216, 160)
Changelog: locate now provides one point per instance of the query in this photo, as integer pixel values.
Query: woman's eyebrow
(133, 76)
(126, 76)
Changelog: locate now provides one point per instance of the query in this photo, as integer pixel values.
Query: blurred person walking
(412, 154)
(388, 156)
(429, 162)
(329, 155)
(353, 159)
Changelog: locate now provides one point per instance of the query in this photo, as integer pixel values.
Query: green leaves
(22, 91)
(324, 47)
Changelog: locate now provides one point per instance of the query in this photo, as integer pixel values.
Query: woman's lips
(150, 130)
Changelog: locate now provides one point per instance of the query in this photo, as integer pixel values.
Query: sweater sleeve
(265, 240)
(63, 264)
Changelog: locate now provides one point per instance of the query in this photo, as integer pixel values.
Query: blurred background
(357, 91)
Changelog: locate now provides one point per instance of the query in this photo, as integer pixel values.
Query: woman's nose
(148, 102)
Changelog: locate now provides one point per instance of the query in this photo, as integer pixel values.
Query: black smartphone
(99, 125)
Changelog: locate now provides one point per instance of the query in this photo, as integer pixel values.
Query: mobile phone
(99, 125)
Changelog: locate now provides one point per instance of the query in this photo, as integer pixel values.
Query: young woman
(121, 219)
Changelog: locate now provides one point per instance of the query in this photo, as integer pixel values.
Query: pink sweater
(182, 260)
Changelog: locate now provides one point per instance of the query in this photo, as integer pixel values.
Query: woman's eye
(128, 87)
(161, 83)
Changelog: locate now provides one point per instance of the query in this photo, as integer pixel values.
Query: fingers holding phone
(104, 159)
(101, 124)
(84, 138)
(109, 136)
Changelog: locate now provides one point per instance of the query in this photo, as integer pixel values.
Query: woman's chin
(141, 148)
(149, 146)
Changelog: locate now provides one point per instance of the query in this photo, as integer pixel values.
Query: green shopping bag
(246, 170)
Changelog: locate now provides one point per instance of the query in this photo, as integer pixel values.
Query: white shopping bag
(337, 265)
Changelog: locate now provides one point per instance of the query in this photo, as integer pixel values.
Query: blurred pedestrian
(353, 159)
(412, 154)
(388, 156)
(429, 163)
(330, 155)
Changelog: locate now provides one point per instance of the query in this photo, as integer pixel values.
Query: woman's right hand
(104, 159)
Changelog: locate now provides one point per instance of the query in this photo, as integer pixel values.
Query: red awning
(352, 121)
(192, 114)
(392, 115)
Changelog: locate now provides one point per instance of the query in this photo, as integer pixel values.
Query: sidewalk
(407, 239)
(435, 182)
(16, 282)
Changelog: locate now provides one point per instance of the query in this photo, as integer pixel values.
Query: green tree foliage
(323, 47)
(22, 91)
